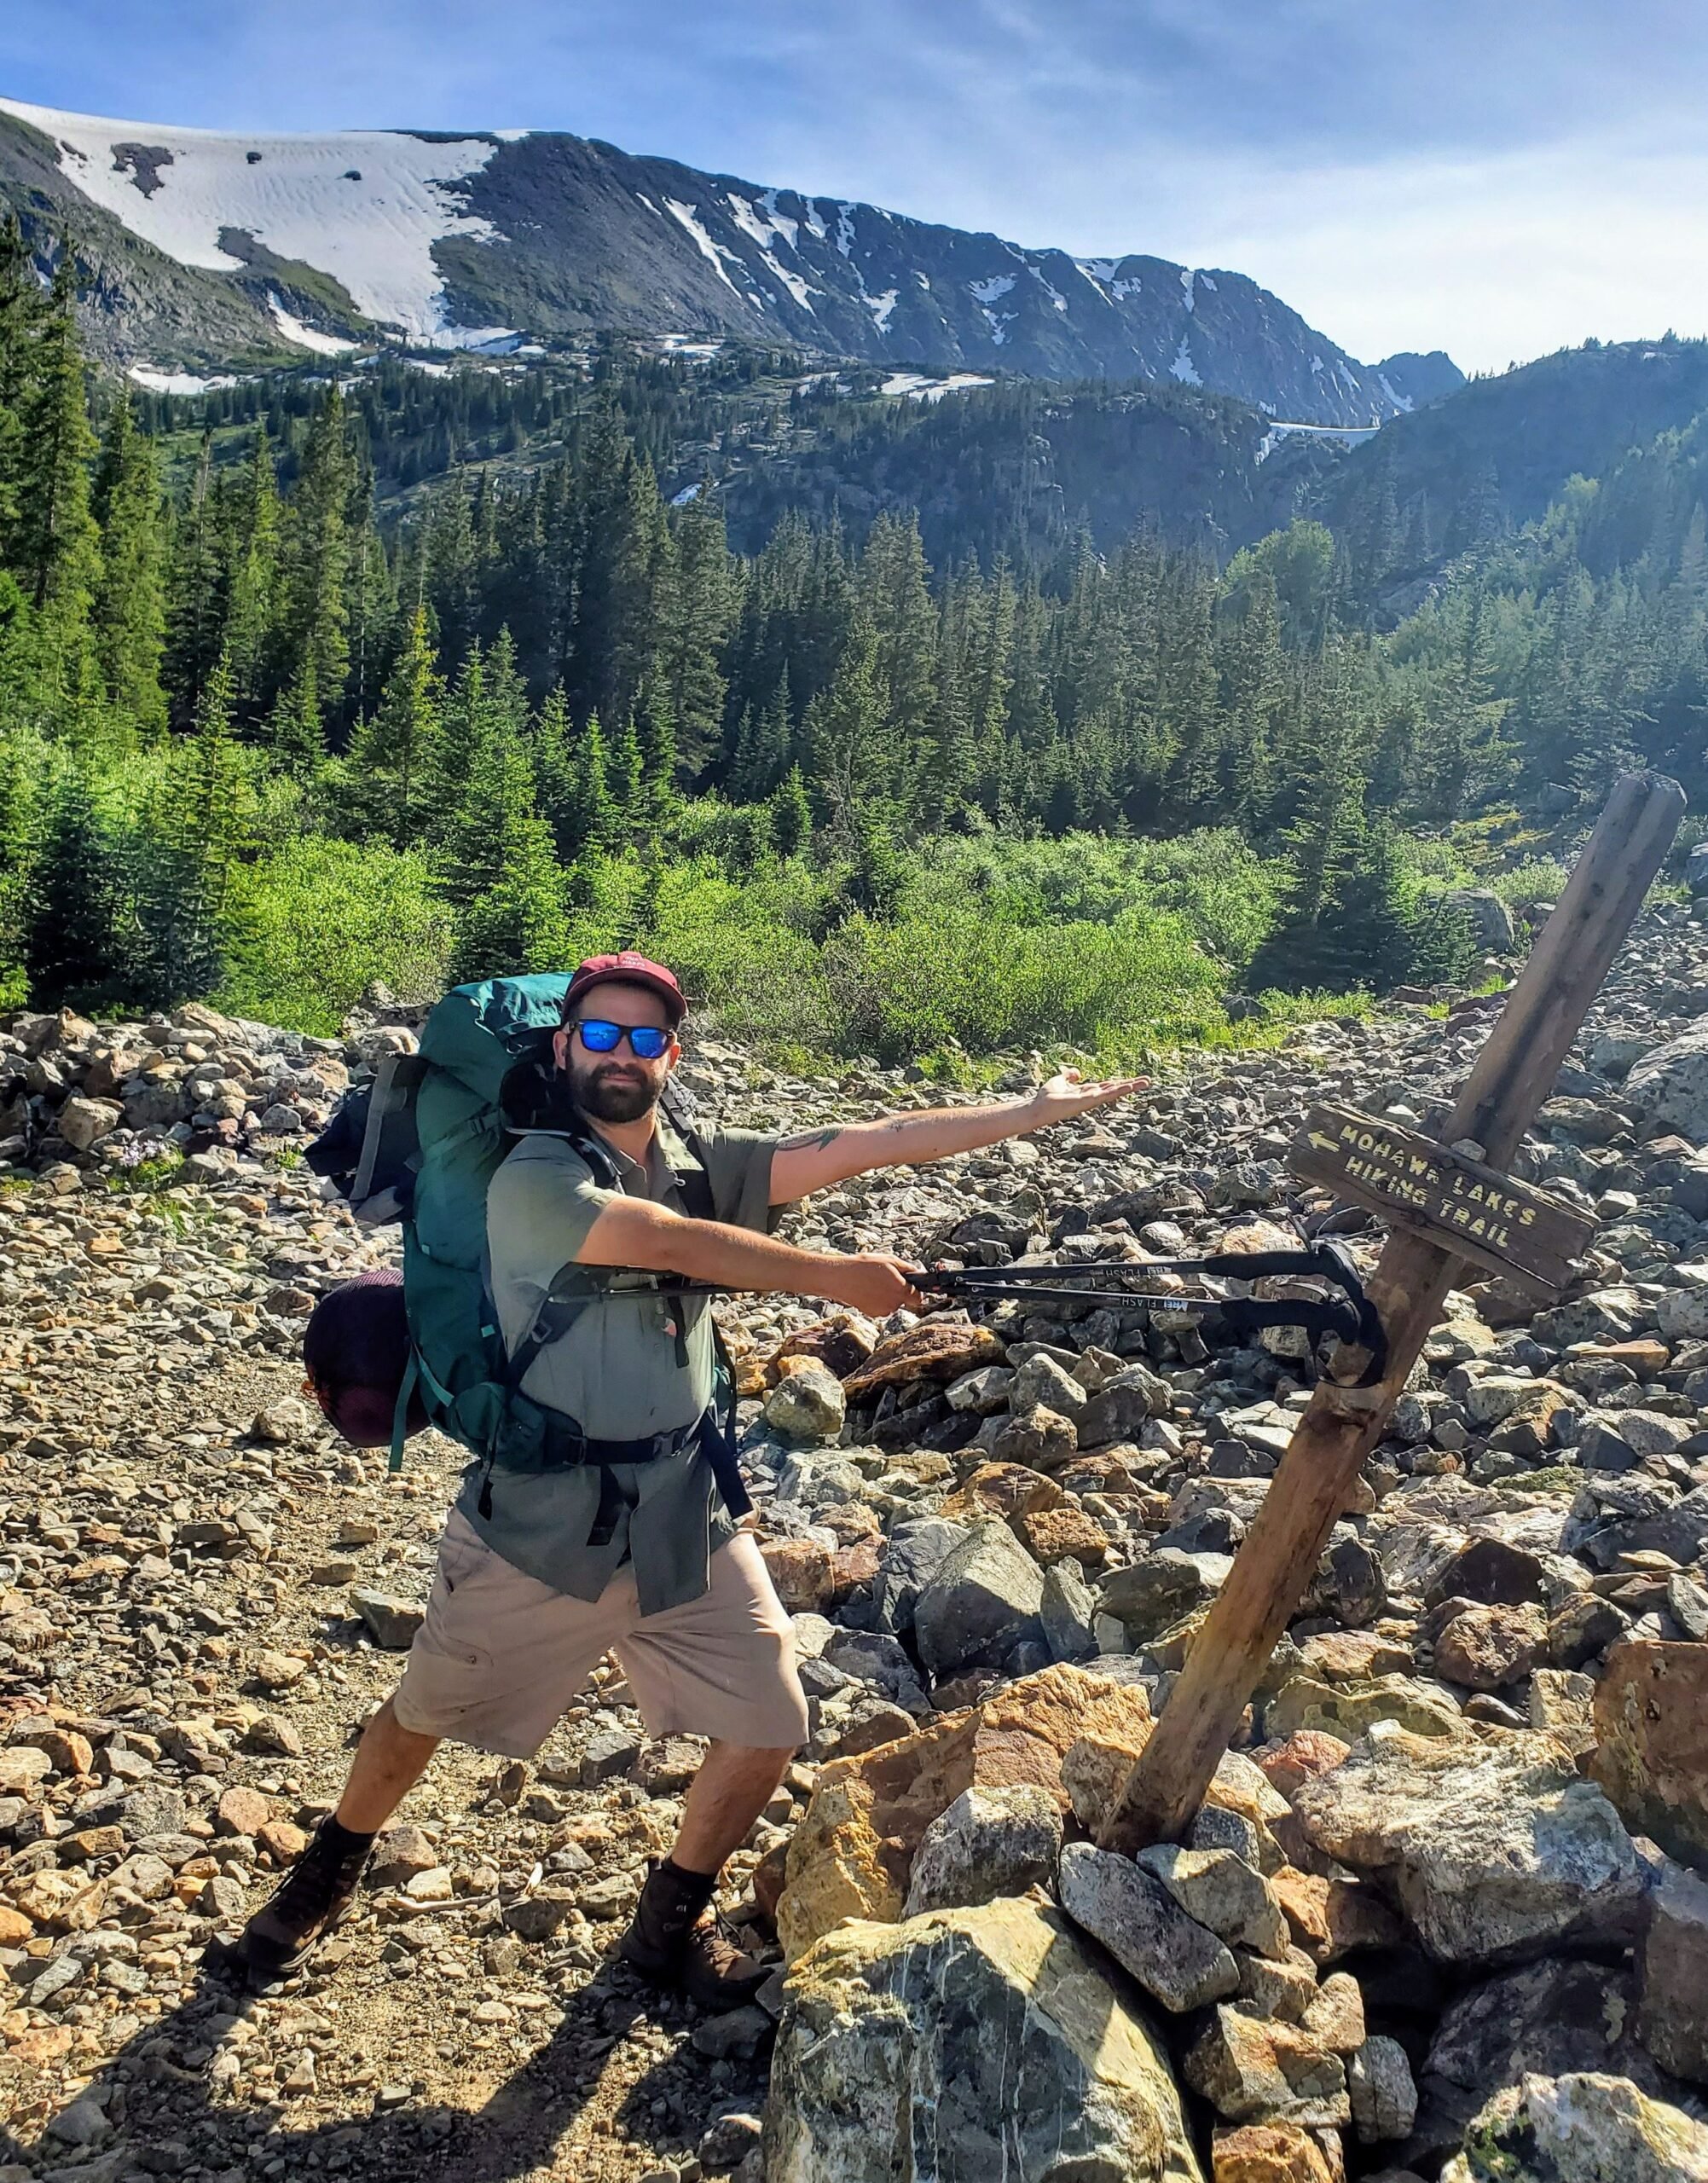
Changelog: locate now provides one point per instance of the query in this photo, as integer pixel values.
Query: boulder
(84, 1122)
(1492, 930)
(1177, 1961)
(912, 1555)
(1652, 1743)
(1556, 2016)
(1273, 2152)
(963, 2046)
(1149, 1595)
(1669, 1084)
(852, 1853)
(938, 1350)
(1384, 2098)
(807, 1404)
(982, 1601)
(1487, 1647)
(1494, 1849)
(1254, 2070)
(1580, 2129)
(989, 1842)
(1672, 1975)
(1220, 1891)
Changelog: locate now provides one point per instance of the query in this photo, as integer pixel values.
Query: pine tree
(294, 732)
(698, 613)
(21, 305)
(251, 585)
(71, 949)
(625, 772)
(313, 616)
(791, 814)
(518, 924)
(130, 602)
(657, 737)
(572, 769)
(195, 614)
(57, 555)
(395, 758)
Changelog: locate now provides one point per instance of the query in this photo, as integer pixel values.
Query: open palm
(1068, 1093)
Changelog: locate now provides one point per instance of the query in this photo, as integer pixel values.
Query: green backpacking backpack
(419, 1147)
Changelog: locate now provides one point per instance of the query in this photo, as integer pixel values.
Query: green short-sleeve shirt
(629, 1366)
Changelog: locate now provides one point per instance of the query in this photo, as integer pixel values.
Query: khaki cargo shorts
(501, 1655)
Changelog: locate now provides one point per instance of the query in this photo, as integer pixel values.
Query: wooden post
(1512, 1076)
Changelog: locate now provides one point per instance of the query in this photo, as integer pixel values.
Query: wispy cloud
(1497, 181)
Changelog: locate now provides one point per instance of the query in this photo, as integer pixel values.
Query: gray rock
(990, 1841)
(1492, 930)
(1221, 1892)
(876, 1658)
(1069, 1612)
(1148, 1596)
(1177, 1961)
(807, 1404)
(1672, 1975)
(1384, 2098)
(1580, 2129)
(1118, 1410)
(608, 1752)
(962, 2047)
(911, 1556)
(1669, 1084)
(983, 1600)
(1253, 2071)
(1494, 1849)
(1041, 1380)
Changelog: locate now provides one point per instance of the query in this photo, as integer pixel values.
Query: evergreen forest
(417, 678)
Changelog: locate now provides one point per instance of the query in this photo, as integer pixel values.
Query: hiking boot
(675, 1941)
(307, 1904)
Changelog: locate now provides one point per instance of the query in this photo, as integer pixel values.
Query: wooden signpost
(1423, 1258)
(1431, 1189)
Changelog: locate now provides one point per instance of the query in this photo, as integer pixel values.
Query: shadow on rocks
(160, 2106)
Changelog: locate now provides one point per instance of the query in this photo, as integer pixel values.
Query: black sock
(695, 1888)
(343, 1838)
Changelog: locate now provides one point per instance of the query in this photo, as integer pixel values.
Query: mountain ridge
(209, 247)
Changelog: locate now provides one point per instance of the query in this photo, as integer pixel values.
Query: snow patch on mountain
(1183, 367)
(773, 227)
(916, 387)
(686, 215)
(155, 382)
(365, 206)
(302, 336)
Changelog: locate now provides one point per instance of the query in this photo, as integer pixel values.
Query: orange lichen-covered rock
(854, 1849)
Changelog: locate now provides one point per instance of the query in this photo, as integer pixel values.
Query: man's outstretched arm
(814, 1159)
(633, 1232)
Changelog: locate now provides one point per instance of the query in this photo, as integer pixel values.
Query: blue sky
(1496, 177)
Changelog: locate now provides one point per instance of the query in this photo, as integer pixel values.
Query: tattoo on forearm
(811, 1140)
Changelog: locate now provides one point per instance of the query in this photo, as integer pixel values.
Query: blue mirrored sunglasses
(646, 1041)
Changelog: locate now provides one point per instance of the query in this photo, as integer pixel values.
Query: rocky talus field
(1444, 1914)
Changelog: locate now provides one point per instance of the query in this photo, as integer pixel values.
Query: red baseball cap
(628, 970)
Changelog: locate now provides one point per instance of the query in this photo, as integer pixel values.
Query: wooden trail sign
(1462, 1204)
(1512, 1076)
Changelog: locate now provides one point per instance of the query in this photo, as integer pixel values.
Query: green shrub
(1538, 879)
(319, 919)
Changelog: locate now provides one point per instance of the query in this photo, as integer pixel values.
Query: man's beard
(610, 1095)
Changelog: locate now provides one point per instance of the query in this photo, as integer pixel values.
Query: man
(541, 1574)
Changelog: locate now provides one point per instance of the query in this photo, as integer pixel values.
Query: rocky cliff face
(203, 245)
(1414, 1921)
